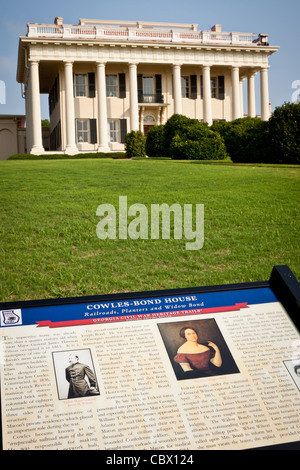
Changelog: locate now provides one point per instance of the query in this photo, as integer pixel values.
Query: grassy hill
(49, 246)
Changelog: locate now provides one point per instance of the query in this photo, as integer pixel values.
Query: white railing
(137, 34)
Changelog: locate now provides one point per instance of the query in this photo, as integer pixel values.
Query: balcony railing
(156, 98)
(139, 35)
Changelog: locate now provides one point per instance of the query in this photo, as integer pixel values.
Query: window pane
(185, 87)
(80, 85)
(213, 83)
(148, 86)
(111, 85)
(149, 120)
(113, 130)
(82, 130)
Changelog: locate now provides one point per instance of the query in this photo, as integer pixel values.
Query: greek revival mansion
(106, 78)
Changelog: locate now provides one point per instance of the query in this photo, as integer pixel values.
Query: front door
(147, 128)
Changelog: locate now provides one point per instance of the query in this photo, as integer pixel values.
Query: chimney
(217, 28)
(58, 21)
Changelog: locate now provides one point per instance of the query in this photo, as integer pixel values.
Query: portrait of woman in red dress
(195, 356)
(197, 349)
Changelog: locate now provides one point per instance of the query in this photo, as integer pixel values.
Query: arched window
(148, 119)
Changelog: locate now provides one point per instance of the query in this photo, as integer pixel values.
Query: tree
(45, 123)
(284, 133)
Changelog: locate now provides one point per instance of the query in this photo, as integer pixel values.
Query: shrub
(198, 143)
(174, 125)
(246, 139)
(284, 133)
(135, 144)
(155, 145)
(194, 140)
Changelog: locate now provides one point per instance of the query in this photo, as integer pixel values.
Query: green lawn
(49, 246)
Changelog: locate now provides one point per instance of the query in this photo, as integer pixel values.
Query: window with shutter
(217, 87)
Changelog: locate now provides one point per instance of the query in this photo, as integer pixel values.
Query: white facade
(107, 78)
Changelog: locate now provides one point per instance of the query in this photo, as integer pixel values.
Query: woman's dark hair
(183, 330)
(204, 343)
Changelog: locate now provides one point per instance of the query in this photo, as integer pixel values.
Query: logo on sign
(11, 317)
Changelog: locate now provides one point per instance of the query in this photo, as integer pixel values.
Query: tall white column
(207, 105)
(264, 90)
(235, 78)
(70, 112)
(141, 119)
(177, 89)
(241, 98)
(102, 108)
(28, 107)
(134, 106)
(37, 141)
(251, 96)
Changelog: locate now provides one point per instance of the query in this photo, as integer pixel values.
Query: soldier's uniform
(75, 375)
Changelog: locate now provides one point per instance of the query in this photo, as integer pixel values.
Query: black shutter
(140, 88)
(122, 85)
(58, 138)
(201, 86)
(92, 88)
(193, 87)
(123, 126)
(93, 131)
(221, 86)
(158, 87)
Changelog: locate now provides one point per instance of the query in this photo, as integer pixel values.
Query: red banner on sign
(144, 316)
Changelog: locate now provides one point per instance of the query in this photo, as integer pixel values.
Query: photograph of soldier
(75, 374)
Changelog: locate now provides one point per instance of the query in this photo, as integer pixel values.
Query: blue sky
(278, 18)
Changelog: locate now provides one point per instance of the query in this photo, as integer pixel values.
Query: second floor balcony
(155, 98)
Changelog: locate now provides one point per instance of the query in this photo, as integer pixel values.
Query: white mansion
(106, 78)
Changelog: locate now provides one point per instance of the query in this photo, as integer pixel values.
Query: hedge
(284, 133)
(63, 156)
(155, 143)
(251, 140)
(173, 126)
(189, 139)
(246, 139)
